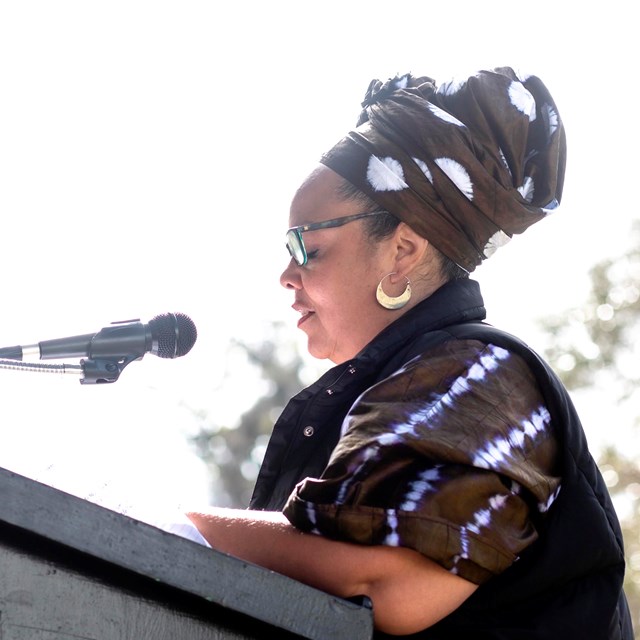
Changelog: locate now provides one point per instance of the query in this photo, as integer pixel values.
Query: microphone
(169, 335)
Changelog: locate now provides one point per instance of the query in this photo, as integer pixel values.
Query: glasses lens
(295, 246)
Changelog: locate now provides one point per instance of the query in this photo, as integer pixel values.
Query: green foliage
(600, 338)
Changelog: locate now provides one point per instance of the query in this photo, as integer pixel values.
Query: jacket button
(308, 431)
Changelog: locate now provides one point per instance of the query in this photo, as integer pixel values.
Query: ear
(410, 249)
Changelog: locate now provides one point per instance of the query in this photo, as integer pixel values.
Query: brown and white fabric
(466, 164)
(453, 456)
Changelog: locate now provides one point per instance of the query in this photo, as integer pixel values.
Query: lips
(304, 311)
(305, 317)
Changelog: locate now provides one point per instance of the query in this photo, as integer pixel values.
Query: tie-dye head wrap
(466, 164)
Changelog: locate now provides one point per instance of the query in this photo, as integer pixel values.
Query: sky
(148, 155)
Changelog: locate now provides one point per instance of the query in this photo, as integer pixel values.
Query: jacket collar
(454, 302)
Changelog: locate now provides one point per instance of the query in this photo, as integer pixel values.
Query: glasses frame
(295, 239)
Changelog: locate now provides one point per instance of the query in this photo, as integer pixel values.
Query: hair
(380, 227)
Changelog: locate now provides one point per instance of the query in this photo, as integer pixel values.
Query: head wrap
(466, 164)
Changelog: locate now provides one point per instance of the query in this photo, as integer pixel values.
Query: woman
(439, 468)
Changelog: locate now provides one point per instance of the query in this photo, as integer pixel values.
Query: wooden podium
(72, 570)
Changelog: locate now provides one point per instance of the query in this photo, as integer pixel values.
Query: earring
(393, 303)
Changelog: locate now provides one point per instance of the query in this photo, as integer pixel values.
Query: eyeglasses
(295, 243)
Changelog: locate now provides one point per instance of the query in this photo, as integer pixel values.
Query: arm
(409, 592)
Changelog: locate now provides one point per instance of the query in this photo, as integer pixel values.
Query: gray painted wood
(40, 600)
(67, 565)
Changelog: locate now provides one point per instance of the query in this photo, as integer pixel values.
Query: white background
(148, 153)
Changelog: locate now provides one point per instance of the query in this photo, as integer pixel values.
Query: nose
(290, 277)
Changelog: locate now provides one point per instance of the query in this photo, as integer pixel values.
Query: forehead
(317, 198)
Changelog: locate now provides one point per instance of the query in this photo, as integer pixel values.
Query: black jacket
(567, 584)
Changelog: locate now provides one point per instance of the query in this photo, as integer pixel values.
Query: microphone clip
(104, 370)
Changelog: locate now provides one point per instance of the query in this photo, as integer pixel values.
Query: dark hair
(382, 226)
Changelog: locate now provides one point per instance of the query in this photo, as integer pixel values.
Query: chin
(321, 352)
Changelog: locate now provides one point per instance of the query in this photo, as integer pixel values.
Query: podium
(73, 570)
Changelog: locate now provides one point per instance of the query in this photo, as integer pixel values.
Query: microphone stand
(93, 370)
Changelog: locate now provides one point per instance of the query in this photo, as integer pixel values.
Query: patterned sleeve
(453, 456)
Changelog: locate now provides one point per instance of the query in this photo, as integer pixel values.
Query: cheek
(354, 298)
(345, 285)
(343, 299)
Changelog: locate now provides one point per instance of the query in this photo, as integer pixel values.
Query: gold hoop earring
(393, 303)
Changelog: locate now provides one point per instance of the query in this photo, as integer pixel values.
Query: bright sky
(148, 153)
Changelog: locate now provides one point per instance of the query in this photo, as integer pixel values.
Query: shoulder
(457, 365)
(463, 397)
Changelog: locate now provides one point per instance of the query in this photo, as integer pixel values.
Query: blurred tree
(622, 476)
(596, 351)
(598, 341)
(233, 452)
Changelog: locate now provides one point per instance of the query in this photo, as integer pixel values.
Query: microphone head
(173, 334)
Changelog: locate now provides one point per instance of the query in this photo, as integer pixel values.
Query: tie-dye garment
(466, 164)
(453, 456)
